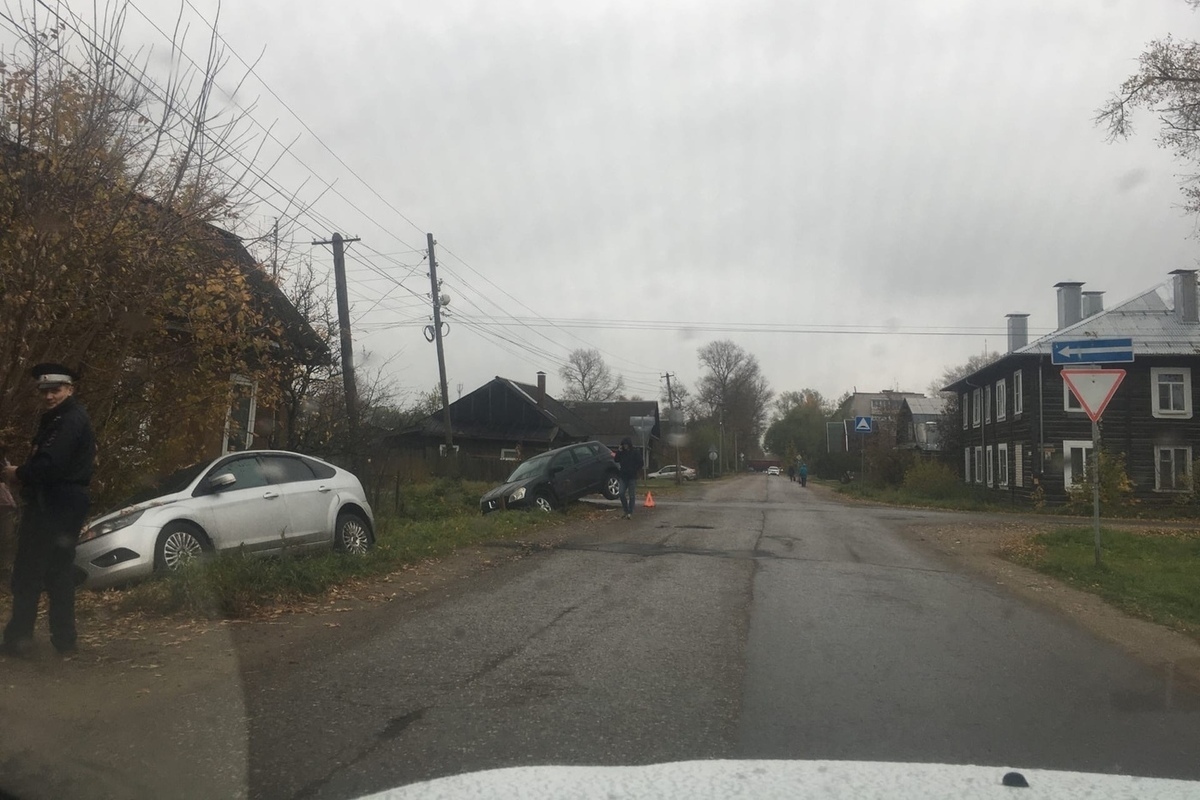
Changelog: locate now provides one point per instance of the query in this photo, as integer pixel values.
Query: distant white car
(687, 473)
(772, 470)
(260, 501)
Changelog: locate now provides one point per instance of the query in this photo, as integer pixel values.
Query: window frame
(1071, 403)
(976, 406)
(1068, 446)
(1018, 393)
(1002, 465)
(978, 464)
(987, 404)
(1001, 400)
(965, 397)
(236, 380)
(988, 454)
(1155, 383)
(1187, 465)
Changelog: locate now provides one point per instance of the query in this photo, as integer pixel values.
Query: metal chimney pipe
(1185, 295)
(1018, 331)
(1093, 303)
(1070, 303)
(541, 389)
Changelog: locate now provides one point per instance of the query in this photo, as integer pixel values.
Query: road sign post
(862, 426)
(1094, 388)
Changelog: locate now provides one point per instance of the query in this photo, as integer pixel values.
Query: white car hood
(788, 780)
(165, 500)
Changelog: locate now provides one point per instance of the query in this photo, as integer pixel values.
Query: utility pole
(674, 427)
(343, 307)
(437, 337)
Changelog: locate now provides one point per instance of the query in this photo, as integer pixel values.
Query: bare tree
(588, 379)
(734, 391)
(1166, 84)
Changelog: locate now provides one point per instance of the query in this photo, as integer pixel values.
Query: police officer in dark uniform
(53, 483)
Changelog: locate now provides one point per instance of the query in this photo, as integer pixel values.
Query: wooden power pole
(343, 307)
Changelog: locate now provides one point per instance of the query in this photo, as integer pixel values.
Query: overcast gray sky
(704, 168)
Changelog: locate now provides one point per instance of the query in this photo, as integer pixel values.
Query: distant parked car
(262, 501)
(551, 480)
(687, 473)
(772, 470)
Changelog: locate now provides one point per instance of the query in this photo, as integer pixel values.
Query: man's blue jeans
(628, 494)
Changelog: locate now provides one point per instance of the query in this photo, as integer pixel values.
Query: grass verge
(435, 519)
(1150, 574)
(967, 499)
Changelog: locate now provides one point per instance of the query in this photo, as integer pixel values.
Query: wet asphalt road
(762, 621)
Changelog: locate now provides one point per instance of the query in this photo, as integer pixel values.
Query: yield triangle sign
(1093, 388)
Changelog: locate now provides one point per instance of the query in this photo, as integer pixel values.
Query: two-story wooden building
(1022, 426)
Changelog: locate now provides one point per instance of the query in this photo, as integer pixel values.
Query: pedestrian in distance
(792, 473)
(803, 474)
(53, 485)
(629, 461)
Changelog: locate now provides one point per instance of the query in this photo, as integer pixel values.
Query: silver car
(264, 501)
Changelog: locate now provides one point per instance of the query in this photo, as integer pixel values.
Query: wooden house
(1022, 428)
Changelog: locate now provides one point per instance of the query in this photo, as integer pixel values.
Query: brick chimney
(1185, 296)
(1018, 331)
(541, 389)
(1070, 303)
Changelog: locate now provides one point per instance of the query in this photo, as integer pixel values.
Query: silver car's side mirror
(217, 482)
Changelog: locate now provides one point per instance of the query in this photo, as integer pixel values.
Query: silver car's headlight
(110, 525)
(519, 494)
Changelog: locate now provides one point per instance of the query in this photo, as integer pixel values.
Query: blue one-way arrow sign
(1092, 351)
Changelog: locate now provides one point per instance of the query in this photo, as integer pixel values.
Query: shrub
(1116, 488)
(933, 479)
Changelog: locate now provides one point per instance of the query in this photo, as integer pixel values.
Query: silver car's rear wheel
(178, 546)
(352, 534)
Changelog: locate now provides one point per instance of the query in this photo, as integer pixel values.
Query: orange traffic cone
(649, 501)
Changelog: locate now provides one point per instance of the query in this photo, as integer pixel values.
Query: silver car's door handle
(270, 495)
(324, 489)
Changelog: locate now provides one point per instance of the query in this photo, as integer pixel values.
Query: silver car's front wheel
(352, 534)
(178, 545)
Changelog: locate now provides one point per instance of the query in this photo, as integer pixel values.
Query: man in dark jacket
(630, 462)
(53, 483)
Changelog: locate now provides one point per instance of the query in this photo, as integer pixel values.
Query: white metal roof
(1149, 319)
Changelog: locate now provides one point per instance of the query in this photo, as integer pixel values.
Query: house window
(976, 405)
(1019, 463)
(987, 404)
(979, 465)
(1076, 455)
(509, 454)
(239, 419)
(1002, 464)
(1001, 400)
(990, 461)
(1018, 394)
(966, 465)
(1172, 469)
(1172, 391)
(966, 409)
(1070, 401)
